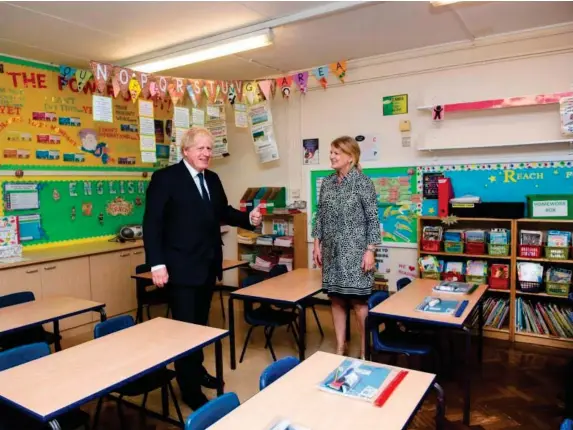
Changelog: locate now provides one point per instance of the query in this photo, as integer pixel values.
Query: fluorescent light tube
(205, 52)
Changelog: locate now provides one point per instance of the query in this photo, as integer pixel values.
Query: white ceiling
(76, 32)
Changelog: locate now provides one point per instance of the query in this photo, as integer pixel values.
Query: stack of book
(285, 241)
(266, 239)
(287, 261)
(495, 313)
(543, 318)
(264, 263)
(247, 237)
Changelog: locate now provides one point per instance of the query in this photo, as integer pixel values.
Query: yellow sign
(395, 105)
(47, 123)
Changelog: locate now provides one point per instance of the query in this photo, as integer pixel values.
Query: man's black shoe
(209, 381)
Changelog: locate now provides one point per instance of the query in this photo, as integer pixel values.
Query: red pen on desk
(387, 392)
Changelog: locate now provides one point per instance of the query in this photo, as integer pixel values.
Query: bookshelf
(510, 330)
(495, 296)
(299, 250)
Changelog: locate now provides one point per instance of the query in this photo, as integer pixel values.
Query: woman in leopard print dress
(346, 233)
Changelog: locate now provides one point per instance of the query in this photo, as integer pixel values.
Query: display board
(399, 201)
(502, 182)
(46, 123)
(52, 211)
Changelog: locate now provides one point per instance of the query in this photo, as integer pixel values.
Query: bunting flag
(339, 69)
(115, 86)
(250, 91)
(223, 88)
(102, 75)
(301, 79)
(211, 89)
(123, 77)
(321, 74)
(265, 87)
(134, 89)
(273, 88)
(176, 90)
(192, 95)
(232, 95)
(197, 85)
(284, 84)
(144, 83)
(238, 85)
(153, 88)
(162, 84)
(82, 77)
(67, 73)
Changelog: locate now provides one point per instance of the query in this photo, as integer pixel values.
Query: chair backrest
(567, 424)
(16, 298)
(279, 269)
(211, 412)
(23, 354)
(277, 369)
(251, 280)
(377, 298)
(402, 282)
(112, 325)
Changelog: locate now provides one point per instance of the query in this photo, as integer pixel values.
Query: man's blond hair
(188, 139)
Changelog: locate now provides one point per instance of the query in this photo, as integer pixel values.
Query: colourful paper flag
(197, 85)
(301, 79)
(162, 86)
(102, 74)
(123, 78)
(134, 89)
(273, 88)
(176, 90)
(153, 89)
(321, 74)
(192, 95)
(211, 89)
(67, 73)
(238, 85)
(284, 84)
(144, 83)
(82, 77)
(223, 88)
(115, 85)
(265, 87)
(339, 69)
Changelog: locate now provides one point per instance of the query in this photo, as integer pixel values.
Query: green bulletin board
(73, 209)
(399, 202)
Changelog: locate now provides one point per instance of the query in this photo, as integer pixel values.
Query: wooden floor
(517, 387)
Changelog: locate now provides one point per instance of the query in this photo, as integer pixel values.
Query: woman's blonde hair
(350, 147)
(188, 139)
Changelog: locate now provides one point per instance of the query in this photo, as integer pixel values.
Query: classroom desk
(296, 397)
(47, 387)
(53, 309)
(227, 265)
(292, 288)
(402, 306)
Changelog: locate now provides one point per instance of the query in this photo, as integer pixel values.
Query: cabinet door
(137, 258)
(21, 279)
(111, 282)
(68, 278)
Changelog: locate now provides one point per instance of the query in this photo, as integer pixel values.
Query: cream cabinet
(111, 281)
(68, 278)
(27, 278)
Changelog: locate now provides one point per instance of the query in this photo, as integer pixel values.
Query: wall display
(395, 105)
(62, 210)
(501, 182)
(262, 132)
(47, 122)
(310, 151)
(430, 184)
(369, 146)
(399, 202)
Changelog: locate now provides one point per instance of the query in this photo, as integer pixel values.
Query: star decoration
(492, 178)
(431, 210)
(556, 172)
(450, 220)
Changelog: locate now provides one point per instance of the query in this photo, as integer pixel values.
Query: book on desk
(453, 287)
(357, 379)
(440, 306)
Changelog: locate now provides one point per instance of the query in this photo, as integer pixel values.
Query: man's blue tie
(204, 192)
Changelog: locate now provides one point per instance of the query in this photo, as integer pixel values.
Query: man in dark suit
(185, 207)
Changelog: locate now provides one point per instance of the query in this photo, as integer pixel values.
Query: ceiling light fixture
(194, 53)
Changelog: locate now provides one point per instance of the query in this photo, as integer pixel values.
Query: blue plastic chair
(15, 419)
(212, 411)
(267, 317)
(26, 336)
(567, 424)
(402, 282)
(160, 378)
(275, 370)
(392, 342)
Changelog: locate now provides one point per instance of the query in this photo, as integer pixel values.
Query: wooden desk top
(291, 287)
(403, 303)
(227, 265)
(296, 397)
(71, 251)
(46, 387)
(42, 311)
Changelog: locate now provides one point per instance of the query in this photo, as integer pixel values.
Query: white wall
(528, 63)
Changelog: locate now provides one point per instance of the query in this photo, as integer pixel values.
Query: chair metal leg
(144, 402)
(294, 335)
(222, 305)
(440, 407)
(268, 336)
(246, 343)
(167, 311)
(271, 330)
(97, 412)
(164, 401)
(176, 403)
(139, 315)
(148, 312)
(120, 412)
(317, 321)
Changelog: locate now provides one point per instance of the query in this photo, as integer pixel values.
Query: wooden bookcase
(299, 249)
(515, 226)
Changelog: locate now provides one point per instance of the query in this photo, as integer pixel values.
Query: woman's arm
(370, 207)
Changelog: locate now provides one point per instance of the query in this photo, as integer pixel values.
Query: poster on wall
(393, 264)
(263, 133)
(369, 146)
(47, 122)
(399, 202)
(310, 151)
(395, 105)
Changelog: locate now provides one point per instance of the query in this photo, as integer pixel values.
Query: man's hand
(160, 277)
(256, 216)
